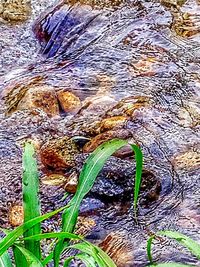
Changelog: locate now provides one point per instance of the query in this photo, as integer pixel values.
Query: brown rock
(110, 123)
(189, 160)
(54, 179)
(84, 226)
(59, 153)
(68, 101)
(16, 215)
(15, 10)
(71, 184)
(118, 248)
(127, 106)
(103, 137)
(41, 97)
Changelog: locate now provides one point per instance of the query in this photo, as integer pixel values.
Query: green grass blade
(149, 248)
(101, 258)
(104, 256)
(184, 240)
(32, 260)
(31, 203)
(171, 264)
(88, 175)
(68, 261)
(87, 260)
(10, 239)
(60, 235)
(19, 258)
(5, 260)
(138, 175)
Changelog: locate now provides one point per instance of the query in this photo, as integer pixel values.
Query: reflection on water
(103, 54)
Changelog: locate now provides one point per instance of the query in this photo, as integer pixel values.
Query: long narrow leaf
(31, 259)
(5, 260)
(138, 175)
(10, 239)
(88, 175)
(86, 259)
(184, 240)
(83, 247)
(98, 254)
(60, 235)
(149, 248)
(31, 204)
(19, 258)
(68, 261)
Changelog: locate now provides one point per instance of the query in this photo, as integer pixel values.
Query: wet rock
(128, 106)
(68, 101)
(15, 10)
(16, 215)
(118, 248)
(103, 137)
(59, 153)
(189, 160)
(15, 92)
(84, 225)
(72, 182)
(116, 181)
(40, 97)
(113, 122)
(54, 179)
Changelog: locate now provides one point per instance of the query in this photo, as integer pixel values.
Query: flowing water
(146, 52)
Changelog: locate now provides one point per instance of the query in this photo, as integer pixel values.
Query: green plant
(27, 251)
(184, 240)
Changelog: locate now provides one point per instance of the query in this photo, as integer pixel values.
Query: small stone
(72, 182)
(84, 226)
(110, 123)
(16, 215)
(15, 10)
(40, 97)
(103, 137)
(59, 153)
(68, 101)
(189, 160)
(54, 179)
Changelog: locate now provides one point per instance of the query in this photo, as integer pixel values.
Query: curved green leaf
(31, 259)
(100, 257)
(59, 235)
(138, 175)
(68, 261)
(10, 239)
(88, 175)
(184, 240)
(5, 260)
(86, 259)
(31, 203)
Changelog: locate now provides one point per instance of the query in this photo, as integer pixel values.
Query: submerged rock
(40, 97)
(59, 153)
(117, 246)
(68, 101)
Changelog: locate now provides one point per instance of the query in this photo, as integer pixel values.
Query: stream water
(147, 52)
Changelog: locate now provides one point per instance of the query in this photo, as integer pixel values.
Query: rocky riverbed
(103, 70)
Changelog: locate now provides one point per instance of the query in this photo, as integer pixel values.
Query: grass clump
(184, 240)
(25, 239)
